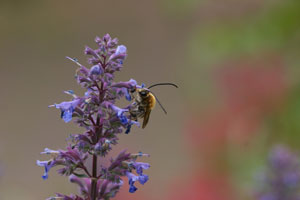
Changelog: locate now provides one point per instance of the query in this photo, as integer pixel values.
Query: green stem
(94, 179)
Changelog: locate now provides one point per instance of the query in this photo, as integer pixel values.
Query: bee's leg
(133, 115)
(141, 109)
(133, 96)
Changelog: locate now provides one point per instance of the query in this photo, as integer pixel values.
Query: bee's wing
(146, 117)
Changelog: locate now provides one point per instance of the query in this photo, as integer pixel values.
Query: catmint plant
(281, 178)
(97, 112)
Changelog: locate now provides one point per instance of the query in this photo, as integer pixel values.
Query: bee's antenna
(172, 84)
(159, 103)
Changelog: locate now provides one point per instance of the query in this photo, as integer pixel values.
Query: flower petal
(139, 166)
(67, 108)
(49, 151)
(121, 49)
(143, 179)
(47, 165)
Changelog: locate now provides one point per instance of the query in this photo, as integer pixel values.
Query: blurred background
(236, 63)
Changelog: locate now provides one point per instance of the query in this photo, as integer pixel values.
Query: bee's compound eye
(143, 93)
(132, 90)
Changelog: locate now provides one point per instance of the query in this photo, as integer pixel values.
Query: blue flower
(67, 108)
(142, 178)
(47, 165)
(119, 55)
(131, 180)
(139, 166)
(120, 114)
(123, 119)
(127, 95)
(121, 49)
(128, 128)
(132, 82)
(132, 188)
(140, 86)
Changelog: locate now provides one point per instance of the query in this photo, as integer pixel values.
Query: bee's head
(143, 92)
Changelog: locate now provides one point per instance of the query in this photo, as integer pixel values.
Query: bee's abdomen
(151, 101)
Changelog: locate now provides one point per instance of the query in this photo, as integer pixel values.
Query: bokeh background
(236, 62)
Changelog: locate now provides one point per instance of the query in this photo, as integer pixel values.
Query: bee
(144, 102)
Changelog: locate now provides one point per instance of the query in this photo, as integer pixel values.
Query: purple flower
(96, 70)
(281, 158)
(282, 176)
(97, 112)
(120, 54)
(292, 178)
(268, 197)
(90, 51)
(67, 108)
(106, 38)
(47, 165)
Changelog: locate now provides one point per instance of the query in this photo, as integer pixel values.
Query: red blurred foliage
(249, 90)
(256, 84)
(205, 186)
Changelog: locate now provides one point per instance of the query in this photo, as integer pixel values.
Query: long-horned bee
(144, 102)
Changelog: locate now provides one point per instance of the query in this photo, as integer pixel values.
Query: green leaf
(80, 175)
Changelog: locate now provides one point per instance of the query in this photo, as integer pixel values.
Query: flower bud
(96, 70)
